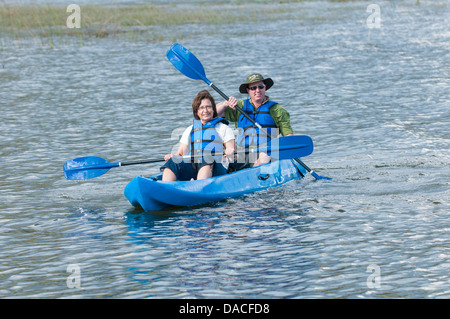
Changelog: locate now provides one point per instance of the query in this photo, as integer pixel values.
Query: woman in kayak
(206, 140)
(273, 118)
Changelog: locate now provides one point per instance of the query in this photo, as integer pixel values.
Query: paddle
(286, 147)
(188, 64)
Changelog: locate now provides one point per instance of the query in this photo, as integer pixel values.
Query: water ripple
(375, 102)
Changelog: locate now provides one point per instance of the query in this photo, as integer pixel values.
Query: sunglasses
(261, 86)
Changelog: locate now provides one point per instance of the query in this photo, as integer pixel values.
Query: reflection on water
(375, 102)
(214, 252)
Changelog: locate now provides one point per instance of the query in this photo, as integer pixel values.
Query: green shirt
(278, 113)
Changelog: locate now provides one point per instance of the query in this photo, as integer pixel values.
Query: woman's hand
(229, 150)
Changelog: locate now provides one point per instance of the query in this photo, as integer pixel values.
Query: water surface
(375, 102)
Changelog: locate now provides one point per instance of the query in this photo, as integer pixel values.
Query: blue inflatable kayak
(152, 194)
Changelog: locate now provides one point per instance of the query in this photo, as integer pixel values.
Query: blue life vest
(205, 140)
(249, 134)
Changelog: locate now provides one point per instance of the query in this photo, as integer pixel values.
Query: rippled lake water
(374, 100)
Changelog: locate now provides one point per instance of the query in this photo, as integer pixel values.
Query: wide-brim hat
(252, 78)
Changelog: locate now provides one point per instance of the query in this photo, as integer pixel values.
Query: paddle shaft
(287, 147)
(140, 162)
(254, 150)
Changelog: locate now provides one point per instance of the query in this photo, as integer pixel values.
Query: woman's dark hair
(198, 100)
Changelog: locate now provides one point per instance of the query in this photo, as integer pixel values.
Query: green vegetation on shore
(42, 21)
(48, 24)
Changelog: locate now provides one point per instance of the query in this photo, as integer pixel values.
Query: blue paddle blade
(86, 167)
(186, 62)
(318, 177)
(288, 147)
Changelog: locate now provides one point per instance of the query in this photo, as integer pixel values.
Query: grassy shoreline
(175, 21)
(103, 20)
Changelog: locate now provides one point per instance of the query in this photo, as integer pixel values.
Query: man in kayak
(270, 115)
(206, 140)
